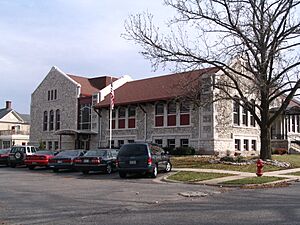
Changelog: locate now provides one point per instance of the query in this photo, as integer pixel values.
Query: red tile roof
(90, 86)
(154, 89)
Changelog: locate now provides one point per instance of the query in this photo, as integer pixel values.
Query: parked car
(40, 158)
(65, 159)
(143, 158)
(18, 154)
(4, 154)
(97, 160)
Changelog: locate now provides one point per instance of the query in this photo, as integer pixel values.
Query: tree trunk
(265, 138)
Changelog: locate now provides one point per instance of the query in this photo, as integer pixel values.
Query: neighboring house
(62, 110)
(14, 127)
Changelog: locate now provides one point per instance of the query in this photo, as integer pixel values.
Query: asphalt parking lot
(43, 197)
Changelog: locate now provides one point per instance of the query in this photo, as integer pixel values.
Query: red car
(4, 154)
(40, 158)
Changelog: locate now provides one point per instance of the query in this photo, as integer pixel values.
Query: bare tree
(263, 34)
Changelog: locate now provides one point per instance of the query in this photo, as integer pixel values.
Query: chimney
(8, 104)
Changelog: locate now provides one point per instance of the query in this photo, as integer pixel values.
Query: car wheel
(168, 167)
(154, 172)
(122, 174)
(31, 167)
(85, 172)
(55, 170)
(108, 169)
(19, 155)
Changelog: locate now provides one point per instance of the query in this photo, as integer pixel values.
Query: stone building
(62, 110)
(73, 112)
(14, 127)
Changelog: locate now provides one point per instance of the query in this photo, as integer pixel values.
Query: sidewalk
(236, 175)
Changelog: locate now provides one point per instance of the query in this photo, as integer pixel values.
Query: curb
(279, 183)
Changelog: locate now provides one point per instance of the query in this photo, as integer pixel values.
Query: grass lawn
(253, 180)
(203, 163)
(294, 174)
(195, 176)
(294, 160)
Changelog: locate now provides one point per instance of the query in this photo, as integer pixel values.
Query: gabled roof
(4, 112)
(90, 86)
(155, 89)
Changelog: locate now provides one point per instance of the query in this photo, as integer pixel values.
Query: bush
(182, 151)
(237, 159)
(279, 151)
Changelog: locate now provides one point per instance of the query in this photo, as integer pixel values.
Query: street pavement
(44, 197)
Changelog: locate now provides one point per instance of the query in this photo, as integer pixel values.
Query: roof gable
(90, 86)
(12, 116)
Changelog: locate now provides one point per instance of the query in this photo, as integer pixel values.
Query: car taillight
(149, 161)
(96, 161)
(117, 163)
(67, 160)
(77, 160)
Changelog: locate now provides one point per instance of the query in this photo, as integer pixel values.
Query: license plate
(132, 162)
(59, 161)
(86, 161)
(34, 163)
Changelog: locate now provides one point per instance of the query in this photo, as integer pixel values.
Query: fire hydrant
(260, 165)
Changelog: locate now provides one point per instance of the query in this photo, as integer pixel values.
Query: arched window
(85, 117)
(51, 121)
(121, 117)
(171, 114)
(45, 121)
(159, 114)
(236, 112)
(131, 116)
(57, 119)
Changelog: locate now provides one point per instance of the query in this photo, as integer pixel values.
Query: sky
(81, 37)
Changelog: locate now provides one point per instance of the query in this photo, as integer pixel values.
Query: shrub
(237, 159)
(279, 151)
(183, 151)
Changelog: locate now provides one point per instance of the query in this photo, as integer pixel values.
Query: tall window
(171, 143)
(252, 120)
(246, 145)
(121, 117)
(48, 95)
(49, 145)
(298, 124)
(158, 142)
(236, 113)
(184, 114)
(237, 144)
(45, 121)
(51, 121)
(57, 119)
(131, 116)
(171, 114)
(113, 122)
(51, 94)
(293, 123)
(245, 116)
(85, 117)
(159, 115)
(184, 142)
(55, 94)
(253, 145)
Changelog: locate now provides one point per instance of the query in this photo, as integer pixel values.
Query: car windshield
(69, 153)
(98, 152)
(17, 149)
(133, 150)
(44, 153)
(4, 151)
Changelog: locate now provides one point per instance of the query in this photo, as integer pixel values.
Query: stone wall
(66, 102)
